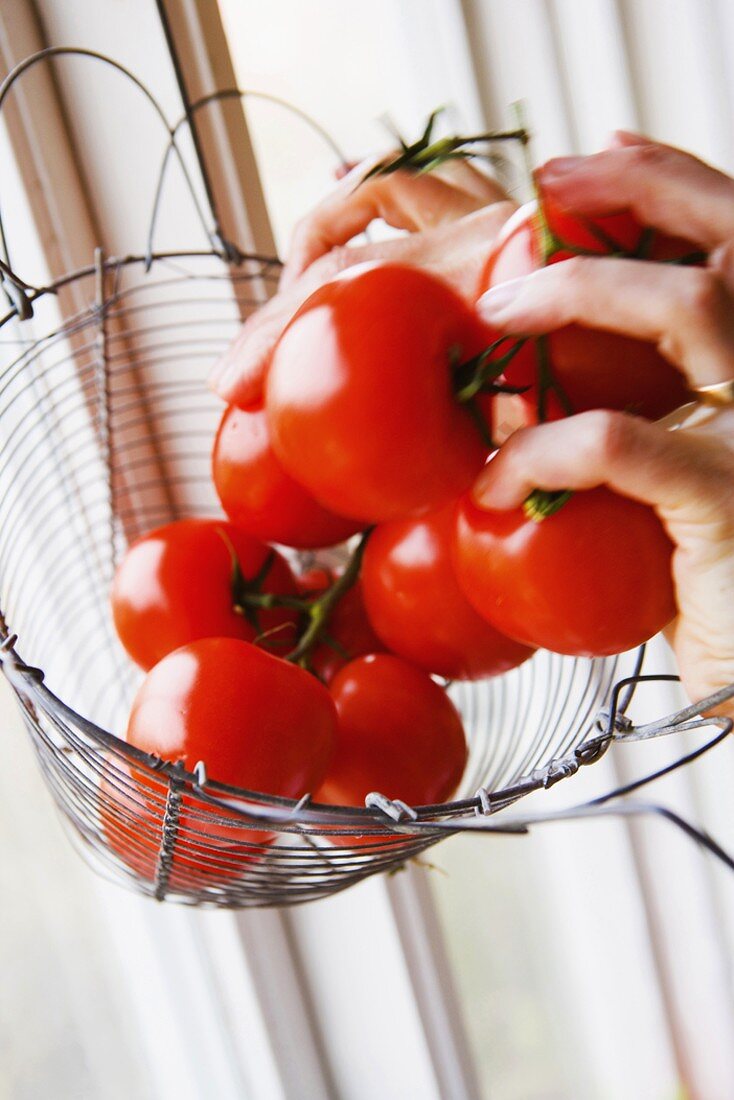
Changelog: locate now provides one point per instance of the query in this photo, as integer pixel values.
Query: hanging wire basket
(106, 429)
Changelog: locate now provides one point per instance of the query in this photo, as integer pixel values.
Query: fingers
(456, 252)
(403, 199)
(464, 174)
(687, 312)
(672, 471)
(663, 186)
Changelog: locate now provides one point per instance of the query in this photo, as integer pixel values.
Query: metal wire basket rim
(28, 682)
(114, 263)
(381, 813)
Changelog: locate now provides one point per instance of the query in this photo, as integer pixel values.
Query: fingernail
(484, 493)
(497, 302)
(560, 166)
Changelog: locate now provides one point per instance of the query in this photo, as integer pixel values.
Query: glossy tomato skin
(174, 585)
(398, 733)
(591, 580)
(256, 721)
(259, 496)
(359, 393)
(415, 604)
(596, 369)
(348, 627)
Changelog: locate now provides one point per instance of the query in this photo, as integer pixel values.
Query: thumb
(675, 472)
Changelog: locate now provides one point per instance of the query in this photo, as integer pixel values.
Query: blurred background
(585, 962)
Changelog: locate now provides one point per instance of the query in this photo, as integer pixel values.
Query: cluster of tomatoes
(373, 421)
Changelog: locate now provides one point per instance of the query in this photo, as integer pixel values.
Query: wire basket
(106, 428)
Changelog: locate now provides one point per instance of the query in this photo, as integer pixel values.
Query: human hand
(686, 475)
(451, 215)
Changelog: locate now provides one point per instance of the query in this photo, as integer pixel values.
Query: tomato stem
(425, 154)
(479, 374)
(247, 597)
(547, 381)
(320, 610)
(542, 503)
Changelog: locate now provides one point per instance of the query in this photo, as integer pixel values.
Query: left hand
(451, 216)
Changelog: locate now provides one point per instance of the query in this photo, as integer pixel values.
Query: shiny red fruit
(590, 580)
(255, 720)
(360, 396)
(259, 496)
(174, 586)
(596, 369)
(414, 602)
(398, 733)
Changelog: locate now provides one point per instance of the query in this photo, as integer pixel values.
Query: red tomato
(398, 733)
(257, 722)
(595, 369)
(259, 496)
(359, 393)
(174, 585)
(132, 810)
(590, 580)
(349, 633)
(416, 606)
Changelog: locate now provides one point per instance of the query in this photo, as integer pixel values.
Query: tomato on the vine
(259, 496)
(398, 733)
(176, 584)
(415, 604)
(592, 579)
(360, 393)
(348, 632)
(255, 721)
(595, 369)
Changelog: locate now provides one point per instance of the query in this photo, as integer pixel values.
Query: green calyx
(319, 611)
(248, 599)
(542, 503)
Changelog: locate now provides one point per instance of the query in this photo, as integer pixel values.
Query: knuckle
(609, 434)
(574, 272)
(649, 157)
(703, 293)
(336, 260)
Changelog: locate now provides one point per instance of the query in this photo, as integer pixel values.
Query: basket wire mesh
(106, 429)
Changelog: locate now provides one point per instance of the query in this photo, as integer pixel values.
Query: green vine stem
(425, 154)
(480, 373)
(547, 381)
(319, 612)
(249, 600)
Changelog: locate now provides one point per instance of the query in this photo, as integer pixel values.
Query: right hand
(451, 216)
(686, 475)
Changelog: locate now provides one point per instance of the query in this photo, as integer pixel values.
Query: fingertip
(558, 169)
(238, 381)
(621, 139)
(490, 493)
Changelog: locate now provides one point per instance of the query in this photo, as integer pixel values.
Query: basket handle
(21, 293)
